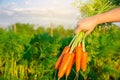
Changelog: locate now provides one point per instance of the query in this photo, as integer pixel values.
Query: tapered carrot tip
(64, 64)
(69, 67)
(84, 61)
(78, 57)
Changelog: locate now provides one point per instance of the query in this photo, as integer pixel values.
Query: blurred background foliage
(30, 54)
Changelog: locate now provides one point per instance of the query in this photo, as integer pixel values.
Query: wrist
(102, 18)
(98, 19)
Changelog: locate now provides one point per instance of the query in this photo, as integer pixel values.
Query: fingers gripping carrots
(74, 53)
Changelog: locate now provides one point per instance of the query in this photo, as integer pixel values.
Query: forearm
(88, 24)
(110, 16)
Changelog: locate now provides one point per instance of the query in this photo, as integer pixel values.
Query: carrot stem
(81, 39)
(72, 40)
(76, 41)
(83, 44)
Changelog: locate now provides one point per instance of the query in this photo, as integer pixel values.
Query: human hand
(87, 25)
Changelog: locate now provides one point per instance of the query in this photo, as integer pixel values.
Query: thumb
(77, 30)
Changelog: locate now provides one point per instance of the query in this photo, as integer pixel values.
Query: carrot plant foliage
(33, 57)
(30, 54)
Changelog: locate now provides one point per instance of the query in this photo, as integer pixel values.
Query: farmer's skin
(88, 24)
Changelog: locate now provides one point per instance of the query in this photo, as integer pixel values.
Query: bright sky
(39, 12)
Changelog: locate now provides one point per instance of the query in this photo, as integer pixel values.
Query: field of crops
(29, 54)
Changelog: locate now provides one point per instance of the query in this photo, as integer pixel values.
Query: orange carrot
(69, 67)
(66, 50)
(84, 60)
(66, 60)
(78, 57)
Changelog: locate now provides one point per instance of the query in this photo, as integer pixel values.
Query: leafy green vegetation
(32, 57)
(30, 54)
(93, 7)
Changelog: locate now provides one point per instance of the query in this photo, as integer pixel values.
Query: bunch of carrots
(74, 53)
